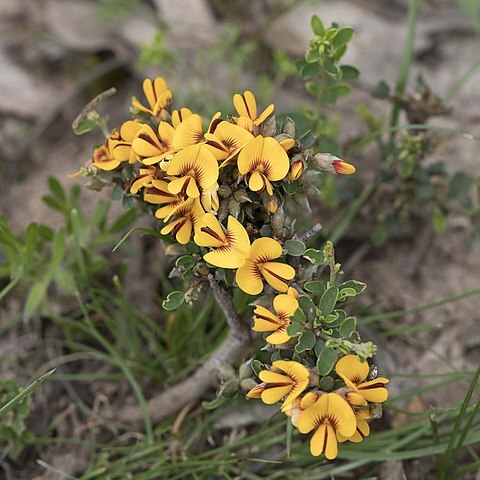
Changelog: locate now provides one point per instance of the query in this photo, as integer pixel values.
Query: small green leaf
(359, 287)
(35, 298)
(313, 56)
(317, 26)
(306, 304)
(349, 72)
(319, 346)
(308, 139)
(257, 367)
(173, 300)
(215, 403)
(382, 90)
(185, 262)
(326, 384)
(315, 286)
(299, 316)
(296, 248)
(306, 341)
(84, 126)
(57, 188)
(346, 292)
(439, 220)
(329, 300)
(326, 361)
(294, 329)
(315, 256)
(331, 317)
(340, 89)
(347, 327)
(343, 36)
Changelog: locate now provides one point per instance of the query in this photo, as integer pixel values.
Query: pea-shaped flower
(263, 160)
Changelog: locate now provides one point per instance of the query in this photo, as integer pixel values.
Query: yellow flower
(331, 163)
(227, 140)
(158, 194)
(123, 150)
(258, 265)
(190, 130)
(353, 372)
(153, 148)
(265, 321)
(296, 170)
(143, 179)
(290, 384)
(360, 409)
(189, 216)
(263, 160)
(103, 157)
(256, 391)
(209, 199)
(158, 96)
(294, 409)
(246, 106)
(231, 245)
(329, 415)
(196, 168)
(178, 116)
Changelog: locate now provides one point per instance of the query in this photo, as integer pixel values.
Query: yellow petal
(184, 233)
(178, 116)
(272, 395)
(278, 337)
(129, 129)
(160, 86)
(147, 143)
(245, 123)
(149, 91)
(265, 321)
(374, 390)
(343, 168)
(318, 440)
(285, 305)
(107, 165)
(266, 113)
(237, 235)
(189, 132)
(257, 181)
(264, 249)
(256, 392)
(342, 414)
(269, 376)
(139, 106)
(248, 278)
(210, 233)
(308, 400)
(245, 104)
(331, 444)
(225, 257)
(352, 368)
(287, 143)
(277, 274)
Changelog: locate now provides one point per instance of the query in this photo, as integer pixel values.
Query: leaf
(329, 300)
(314, 256)
(340, 89)
(326, 361)
(382, 89)
(317, 26)
(299, 316)
(215, 403)
(439, 220)
(359, 287)
(347, 327)
(173, 300)
(25, 392)
(35, 298)
(345, 293)
(185, 262)
(343, 36)
(308, 139)
(326, 384)
(313, 56)
(315, 286)
(58, 248)
(349, 72)
(83, 126)
(306, 304)
(257, 367)
(294, 329)
(296, 248)
(306, 341)
(57, 188)
(137, 229)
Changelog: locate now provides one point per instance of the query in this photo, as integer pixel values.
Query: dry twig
(192, 388)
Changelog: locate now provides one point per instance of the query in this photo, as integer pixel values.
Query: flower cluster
(228, 193)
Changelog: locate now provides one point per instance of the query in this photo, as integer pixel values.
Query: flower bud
(331, 163)
(296, 170)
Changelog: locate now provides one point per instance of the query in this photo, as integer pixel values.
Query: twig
(306, 236)
(192, 388)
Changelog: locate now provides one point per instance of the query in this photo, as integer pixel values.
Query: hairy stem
(175, 397)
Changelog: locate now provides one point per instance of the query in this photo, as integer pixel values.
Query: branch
(306, 236)
(192, 388)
